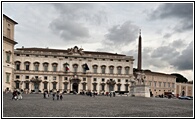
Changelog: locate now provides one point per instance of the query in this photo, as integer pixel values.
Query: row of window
(160, 84)
(111, 87)
(75, 67)
(67, 57)
(66, 78)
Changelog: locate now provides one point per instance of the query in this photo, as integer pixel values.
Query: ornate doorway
(36, 87)
(75, 87)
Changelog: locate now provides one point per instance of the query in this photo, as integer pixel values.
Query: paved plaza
(34, 105)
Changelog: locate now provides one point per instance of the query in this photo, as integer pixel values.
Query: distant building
(8, 52)
(184, 89)
(160, 83)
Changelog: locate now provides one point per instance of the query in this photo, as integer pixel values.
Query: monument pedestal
(140, 91)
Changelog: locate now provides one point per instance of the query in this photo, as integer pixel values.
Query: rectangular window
(103, 70)
(54, 77)
(164, 83)
(94, 87)
(168, 84)
(54, 86)
(95, 70)
(150, 83)
(126, 80)
(155, 83)
(126, 88)
(45, 85)
(27, 86)
(7, 77)
(45, 77)
(103, 79)
(17, 76)
(8, 57)
(27, 67)
(111, 71)
(84, 79)
(36, 67)
(54, 68)
(118, 80)
(65, 86)
(8, 33)
(94, 79)
(119, 71)
(159, 84)
(26, 77)
(127, 71)
(65, 78)
(84, 86)
(17, 66)
(45, 68)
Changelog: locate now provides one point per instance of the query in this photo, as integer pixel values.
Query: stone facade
(39, 69)
(185, 89)
(8, 52)
(160, 83)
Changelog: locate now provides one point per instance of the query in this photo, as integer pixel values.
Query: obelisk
(139, 61)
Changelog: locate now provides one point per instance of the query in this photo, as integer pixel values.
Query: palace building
(40, 69)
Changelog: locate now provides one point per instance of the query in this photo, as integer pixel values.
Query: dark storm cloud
(185, 60)
(182, 13)
(122, 34)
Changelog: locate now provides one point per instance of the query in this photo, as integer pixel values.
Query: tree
(180, 78)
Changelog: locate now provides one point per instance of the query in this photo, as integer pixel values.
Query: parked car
(185, 98)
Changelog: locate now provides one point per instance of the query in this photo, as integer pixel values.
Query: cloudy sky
(166, 29)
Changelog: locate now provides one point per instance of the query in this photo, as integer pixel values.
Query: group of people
(57, 95)
(16, 95)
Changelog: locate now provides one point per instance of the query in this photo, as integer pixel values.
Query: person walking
(110, 94)
(53, 95)
(61, 96)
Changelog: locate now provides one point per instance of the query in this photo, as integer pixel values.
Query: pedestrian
(93, 93)
(57, 96)
(114, 94)
(53, 95)
(44, 94)
(14, 95)
(110, 94)
(61, 96)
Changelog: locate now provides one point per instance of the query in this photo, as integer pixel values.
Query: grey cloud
(185, 60)
(69, 30)
(73, 20)
(167, 35)
(178, 43)
(122, 34)
(180, 12)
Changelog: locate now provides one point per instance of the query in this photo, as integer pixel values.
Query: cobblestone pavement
(34, 105)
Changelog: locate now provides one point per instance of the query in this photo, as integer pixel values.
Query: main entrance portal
(75, 87)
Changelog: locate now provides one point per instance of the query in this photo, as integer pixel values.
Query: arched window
(54, 67)
(27, 65)
(75, 67)
(111, 68)
(45, 65)
(127, 69)
(103, 67)
(17, 65)
(36, 66)
(95, 68)
(119, 69)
